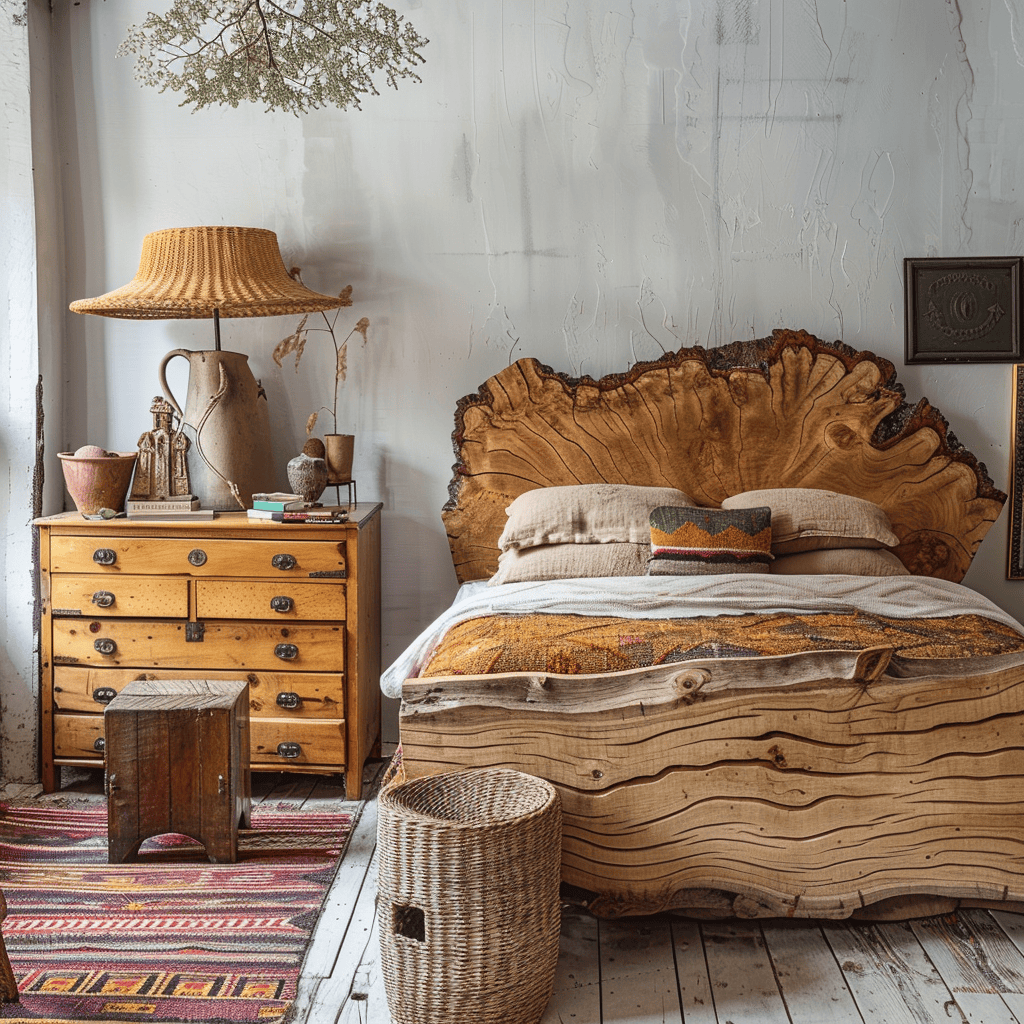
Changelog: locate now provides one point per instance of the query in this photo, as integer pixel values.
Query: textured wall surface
(590, 182)
(30, 348)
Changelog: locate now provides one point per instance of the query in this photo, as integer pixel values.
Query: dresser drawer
(143, 643)
(317, 742)
(284, 600)
(100, 596)
(179, 556)
(78, 736)
(275, 743)
(281, 695)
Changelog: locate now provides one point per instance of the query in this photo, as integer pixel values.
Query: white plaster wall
(587, 181)
(30, 324)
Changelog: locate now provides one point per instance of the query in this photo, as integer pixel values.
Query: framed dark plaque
(963, 310)
(1015, 562)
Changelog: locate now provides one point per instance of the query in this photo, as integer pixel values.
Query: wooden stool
(177, 759)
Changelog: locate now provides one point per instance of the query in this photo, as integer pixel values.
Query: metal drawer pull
(288, 700)
(281, 604)
(99, 744)
(105, 645)
(103, 598)
(289, 749)
(197, 556)
(284, 561)
(104, 694)
(104, 556)
(287, 652)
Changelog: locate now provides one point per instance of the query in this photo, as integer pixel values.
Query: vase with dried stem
(339, 446)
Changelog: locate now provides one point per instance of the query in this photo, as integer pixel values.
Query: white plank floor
(966, 968)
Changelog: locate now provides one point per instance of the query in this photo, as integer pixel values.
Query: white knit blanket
(673, 597)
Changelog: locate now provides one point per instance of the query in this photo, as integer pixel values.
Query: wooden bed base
(810, 785)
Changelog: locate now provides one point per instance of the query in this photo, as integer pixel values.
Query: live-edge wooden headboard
(785, 411)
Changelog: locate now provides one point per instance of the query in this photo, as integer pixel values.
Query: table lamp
(215, 272)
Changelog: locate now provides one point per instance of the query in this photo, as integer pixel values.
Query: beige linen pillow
(585, 514)
(849, 561)
(571, 561)
(809, 519)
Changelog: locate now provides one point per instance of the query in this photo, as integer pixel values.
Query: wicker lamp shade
(188, 273)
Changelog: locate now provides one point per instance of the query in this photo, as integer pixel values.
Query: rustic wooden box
(177, 759)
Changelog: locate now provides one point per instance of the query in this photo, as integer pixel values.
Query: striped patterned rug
(171, 937)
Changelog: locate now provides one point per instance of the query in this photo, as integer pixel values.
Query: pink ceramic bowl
(97, 483)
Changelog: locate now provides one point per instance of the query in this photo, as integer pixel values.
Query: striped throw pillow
(687, 541)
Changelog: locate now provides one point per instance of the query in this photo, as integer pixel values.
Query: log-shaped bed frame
(824, 784)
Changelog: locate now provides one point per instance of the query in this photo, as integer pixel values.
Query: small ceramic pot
(100, 482)
(307, 476)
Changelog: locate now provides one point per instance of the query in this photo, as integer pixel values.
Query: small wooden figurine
(162, 469)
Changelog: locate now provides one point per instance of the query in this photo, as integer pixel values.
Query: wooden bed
(821, 784)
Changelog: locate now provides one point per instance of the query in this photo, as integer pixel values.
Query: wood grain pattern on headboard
(785, 411)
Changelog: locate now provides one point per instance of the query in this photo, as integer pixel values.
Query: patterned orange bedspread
(581, 644)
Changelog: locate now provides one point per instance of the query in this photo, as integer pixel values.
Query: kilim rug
(171, 937)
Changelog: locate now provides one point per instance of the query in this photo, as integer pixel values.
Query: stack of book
(183, 506)
(278, 507)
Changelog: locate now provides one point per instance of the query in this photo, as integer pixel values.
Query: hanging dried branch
(291, 55)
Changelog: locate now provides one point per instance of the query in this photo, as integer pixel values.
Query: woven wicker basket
(468, 908)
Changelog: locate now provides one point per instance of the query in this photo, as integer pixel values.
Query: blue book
(279, 501)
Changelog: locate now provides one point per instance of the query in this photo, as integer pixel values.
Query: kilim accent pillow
(695, 541)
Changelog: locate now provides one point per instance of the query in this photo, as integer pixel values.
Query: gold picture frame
(1015, 560)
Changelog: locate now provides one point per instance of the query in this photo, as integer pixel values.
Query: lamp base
(226, 419)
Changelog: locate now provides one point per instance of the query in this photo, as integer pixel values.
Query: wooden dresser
(292, 609)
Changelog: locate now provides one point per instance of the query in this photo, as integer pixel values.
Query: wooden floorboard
(809, 978)
(695, 994)
(743, 983)
(890, 975)
(638, 972)
(963, 968)
(577, 990)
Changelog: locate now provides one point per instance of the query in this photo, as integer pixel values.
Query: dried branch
(296, 342)
(292, 55)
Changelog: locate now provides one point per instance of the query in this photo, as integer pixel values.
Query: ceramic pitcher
(228, 424)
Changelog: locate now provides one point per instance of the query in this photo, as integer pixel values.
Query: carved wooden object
(177, 760)
(785, 411)
(808, 785)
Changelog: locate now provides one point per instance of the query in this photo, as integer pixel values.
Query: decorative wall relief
(963, 310)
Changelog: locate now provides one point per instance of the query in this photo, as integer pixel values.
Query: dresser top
(226, 522)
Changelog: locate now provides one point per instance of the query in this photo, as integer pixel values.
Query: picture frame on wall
(1015, 561)
(963, 310)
